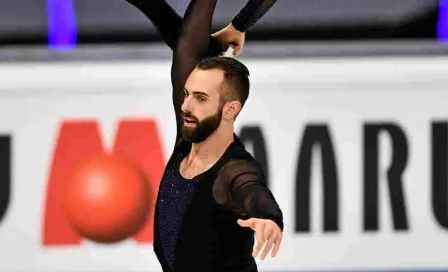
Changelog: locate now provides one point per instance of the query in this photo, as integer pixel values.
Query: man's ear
(231, 110)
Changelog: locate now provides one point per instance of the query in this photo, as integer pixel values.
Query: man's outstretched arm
(241, 187)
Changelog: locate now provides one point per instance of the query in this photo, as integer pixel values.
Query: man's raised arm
(164, 18)
(193, 45)
(190, 38)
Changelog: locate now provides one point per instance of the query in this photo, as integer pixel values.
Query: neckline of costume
(236, 141)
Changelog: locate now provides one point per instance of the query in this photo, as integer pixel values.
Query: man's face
(202, 107)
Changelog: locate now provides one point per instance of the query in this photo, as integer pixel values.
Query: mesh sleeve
(189, 38)
(194, 44)
(241, 187)
(164, 18)
(251, 13)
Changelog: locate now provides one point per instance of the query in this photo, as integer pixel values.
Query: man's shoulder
(241, 161)
(239, 152)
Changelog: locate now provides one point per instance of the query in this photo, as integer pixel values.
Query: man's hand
(229, 36)
(266, 232)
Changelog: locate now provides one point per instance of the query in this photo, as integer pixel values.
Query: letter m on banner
(138, 140)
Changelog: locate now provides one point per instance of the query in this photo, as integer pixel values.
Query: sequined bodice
(176, 193)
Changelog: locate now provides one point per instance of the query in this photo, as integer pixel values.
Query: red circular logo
(106, 198)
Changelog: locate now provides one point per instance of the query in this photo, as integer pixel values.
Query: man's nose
(186, 106)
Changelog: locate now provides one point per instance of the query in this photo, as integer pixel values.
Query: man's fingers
(246, 223)
(258, 248)
(268, 247)
(266, 235)
(277, 245)
(259, 235)
(270, 236)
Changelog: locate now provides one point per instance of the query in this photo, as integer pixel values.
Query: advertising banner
(355, 152)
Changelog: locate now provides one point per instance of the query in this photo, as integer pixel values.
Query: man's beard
(203, 129)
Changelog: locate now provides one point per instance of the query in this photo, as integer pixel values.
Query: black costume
(195, 226)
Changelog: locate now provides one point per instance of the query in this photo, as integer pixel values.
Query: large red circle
(107, 198)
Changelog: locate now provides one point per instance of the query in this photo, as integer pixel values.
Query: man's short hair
(236, 77)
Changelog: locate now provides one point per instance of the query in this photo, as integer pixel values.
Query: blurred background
(347, 115)
(66, 24)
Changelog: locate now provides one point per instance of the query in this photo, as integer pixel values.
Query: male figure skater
(212, 199)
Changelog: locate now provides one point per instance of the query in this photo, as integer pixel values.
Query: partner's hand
(229, 36)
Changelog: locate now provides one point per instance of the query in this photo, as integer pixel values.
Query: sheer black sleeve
(164, 18)
(168, 22)
(241, 187)
(251, 13)
(189, 38)
(194, 44)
